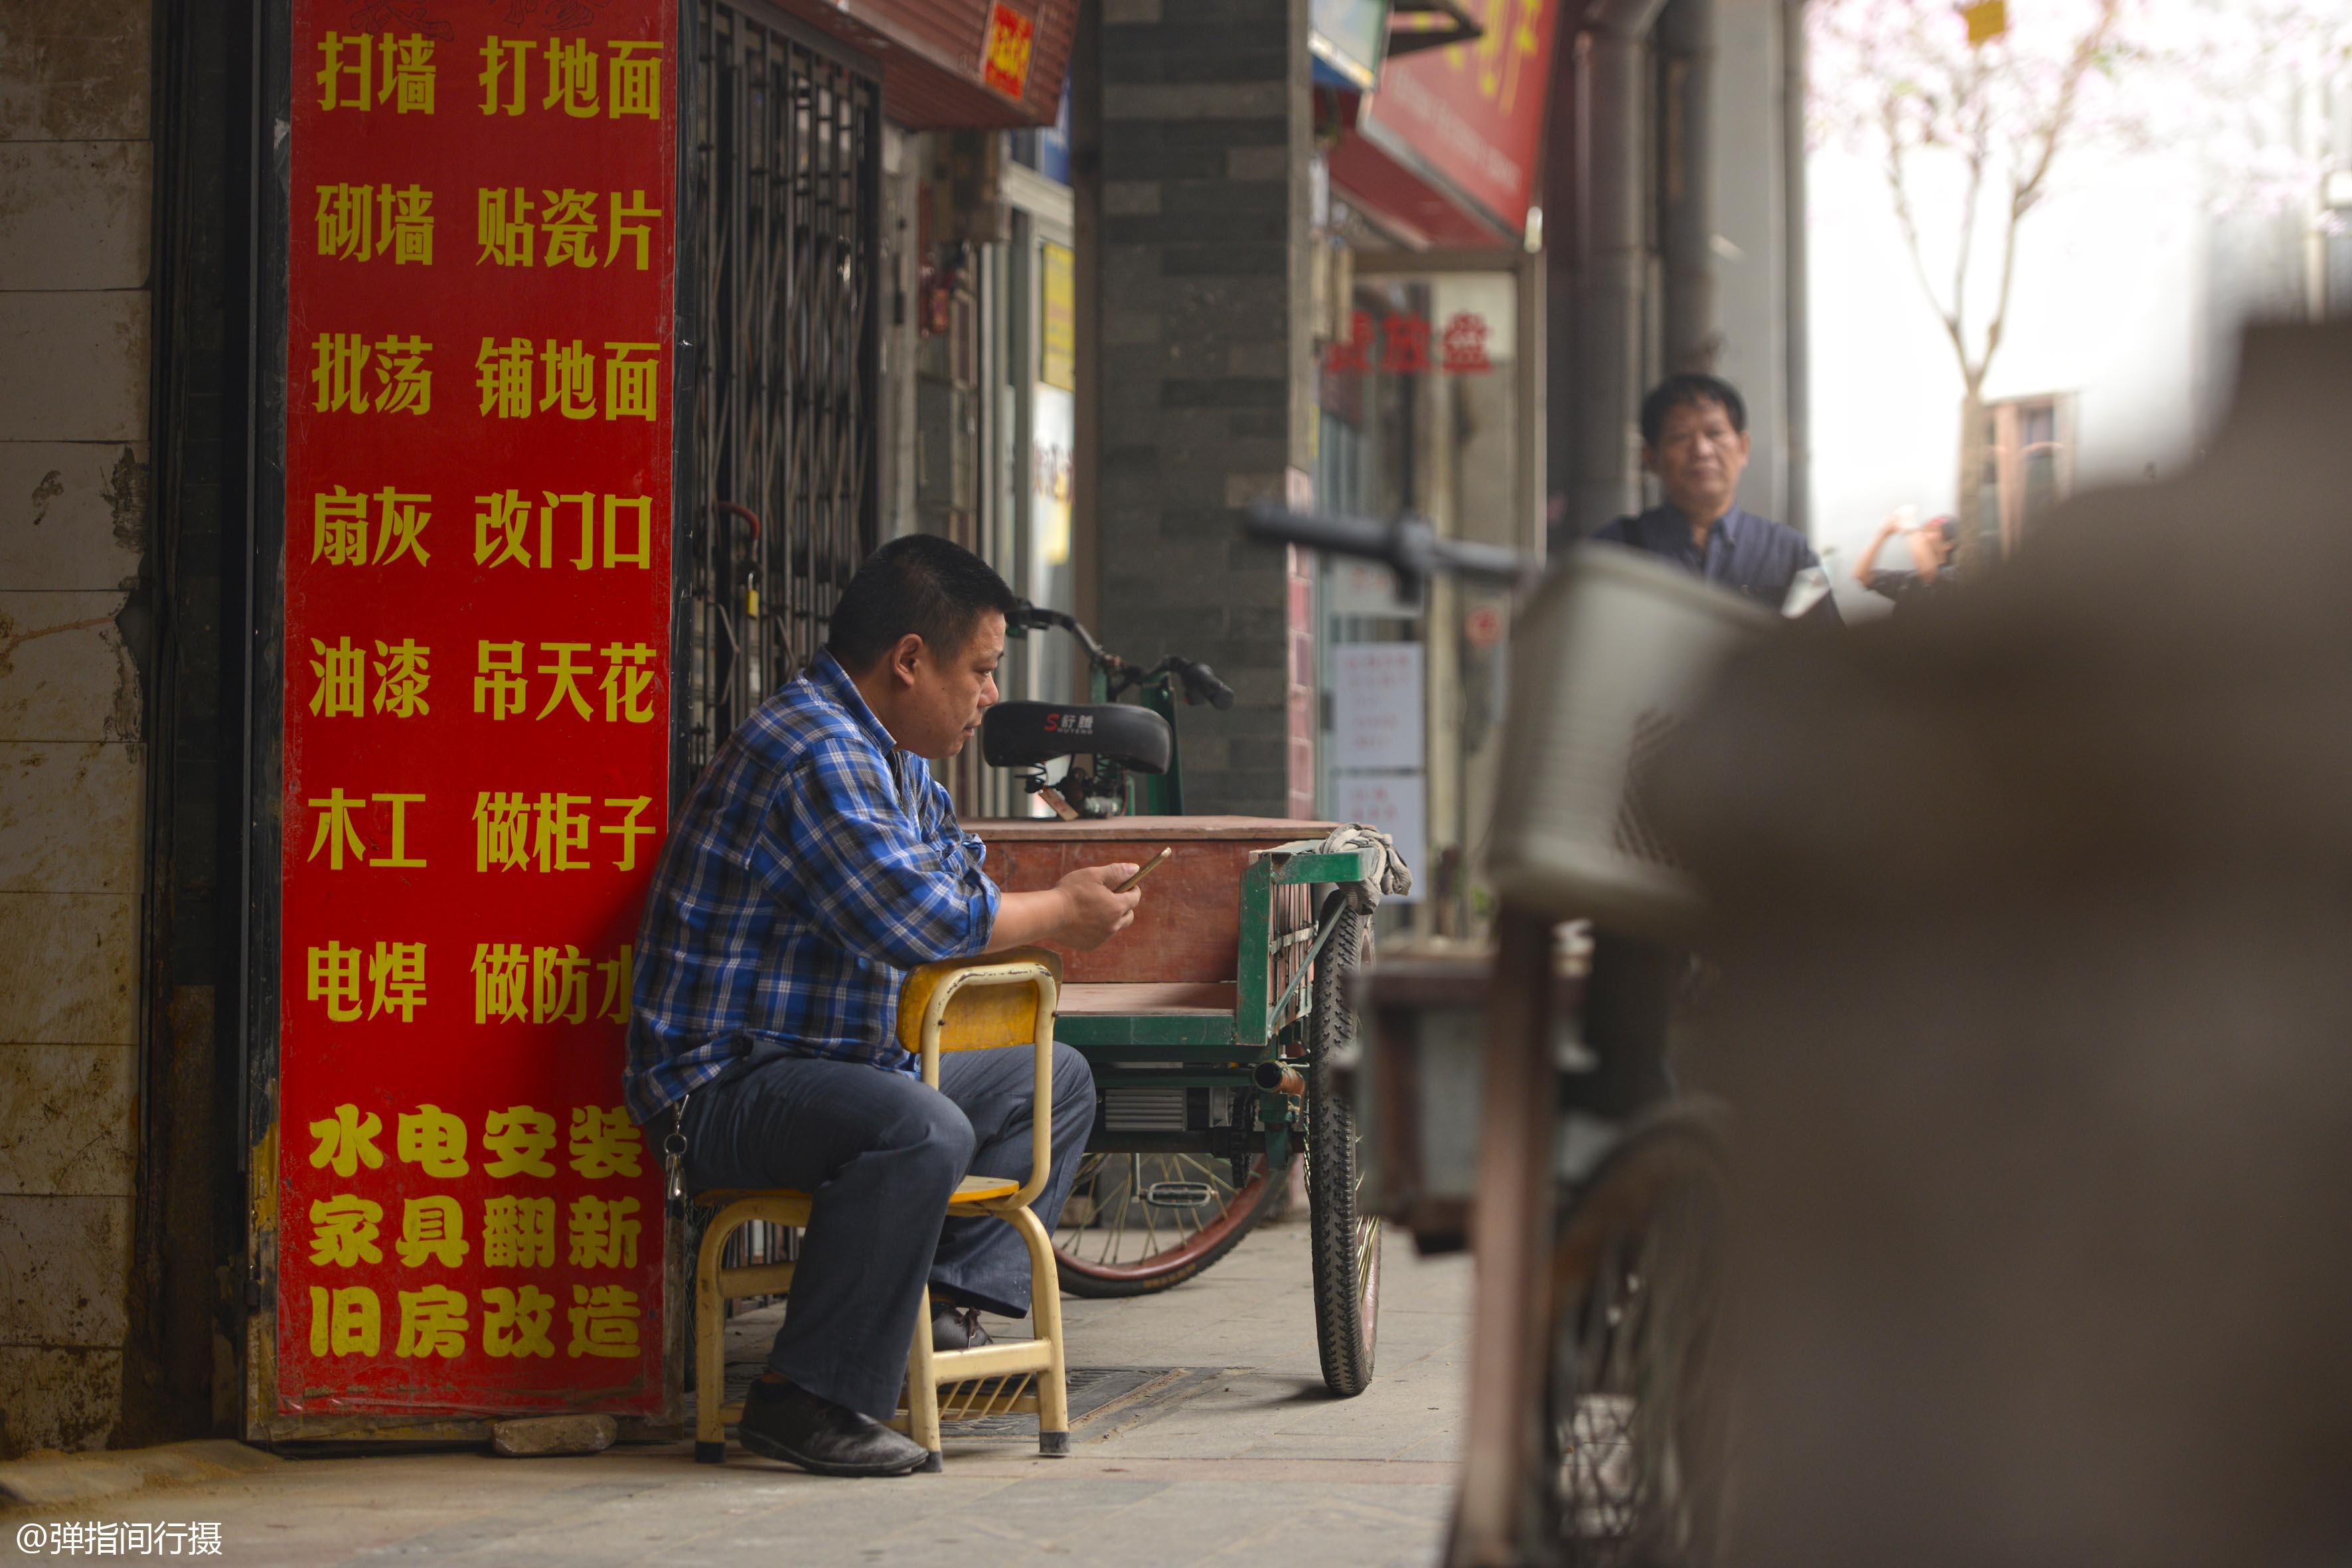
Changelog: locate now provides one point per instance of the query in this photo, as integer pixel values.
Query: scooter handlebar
(1341, 535)
(1410, 546)
(1203, 686)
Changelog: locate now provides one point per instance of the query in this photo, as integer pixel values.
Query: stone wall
(75, 182)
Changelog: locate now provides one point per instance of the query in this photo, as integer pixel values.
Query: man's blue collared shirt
(813, 865)
(1758, 557)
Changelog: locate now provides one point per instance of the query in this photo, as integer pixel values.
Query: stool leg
(923, 1389)
(1046, 1310)
(710, 1349)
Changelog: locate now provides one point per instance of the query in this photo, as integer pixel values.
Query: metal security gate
(779, 273)
(779, 269)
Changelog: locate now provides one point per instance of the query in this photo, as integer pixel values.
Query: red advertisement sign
(1472, 115)
(477, 497)
(1004, 63)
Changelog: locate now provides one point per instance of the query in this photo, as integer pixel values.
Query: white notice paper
(1376, 705)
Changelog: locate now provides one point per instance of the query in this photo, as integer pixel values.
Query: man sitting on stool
(815, 863)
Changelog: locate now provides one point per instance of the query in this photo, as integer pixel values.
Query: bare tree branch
(1977, 156)
(1908, 222)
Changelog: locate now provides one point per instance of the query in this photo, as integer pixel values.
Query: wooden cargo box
(1188, 928)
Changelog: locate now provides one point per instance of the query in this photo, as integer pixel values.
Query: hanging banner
(478, 655)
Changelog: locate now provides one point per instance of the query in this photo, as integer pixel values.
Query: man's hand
(1900, 519)
(1099, 911)
(1081, 911)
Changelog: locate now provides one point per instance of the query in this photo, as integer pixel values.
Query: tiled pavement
(1243, 1457)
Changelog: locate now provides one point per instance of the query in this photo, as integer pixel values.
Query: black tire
(1115, 1270)
(1636, 1419)
(1346, 1242)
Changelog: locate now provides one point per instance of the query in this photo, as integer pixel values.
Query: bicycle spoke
(1127, 1225)
(1151, 1214)
(1115, 1243)
(1635, 1466)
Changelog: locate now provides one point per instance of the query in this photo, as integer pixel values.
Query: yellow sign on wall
(1058, 314)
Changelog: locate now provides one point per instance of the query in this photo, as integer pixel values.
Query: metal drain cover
(1097, 1393)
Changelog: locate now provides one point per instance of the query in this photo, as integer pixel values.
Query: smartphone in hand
(1145, 870)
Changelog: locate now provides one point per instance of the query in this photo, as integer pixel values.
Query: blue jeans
(879, 1152)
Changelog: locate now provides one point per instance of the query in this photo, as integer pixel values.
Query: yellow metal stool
(964, 1004)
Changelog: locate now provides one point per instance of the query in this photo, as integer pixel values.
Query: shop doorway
(1431, 402)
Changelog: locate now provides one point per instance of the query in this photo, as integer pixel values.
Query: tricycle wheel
(1135, 1223)
(1345, 1241)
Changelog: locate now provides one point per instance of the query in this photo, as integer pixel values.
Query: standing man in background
(1695, 439)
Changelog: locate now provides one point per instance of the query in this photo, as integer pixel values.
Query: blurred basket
(1606, 661)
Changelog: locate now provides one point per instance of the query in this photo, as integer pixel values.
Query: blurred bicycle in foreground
(1518, 1102)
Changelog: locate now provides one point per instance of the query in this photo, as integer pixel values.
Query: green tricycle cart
(1214, 1022)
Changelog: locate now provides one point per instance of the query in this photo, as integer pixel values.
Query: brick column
(1201, 400)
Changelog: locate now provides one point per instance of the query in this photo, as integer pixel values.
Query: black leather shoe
(956, 1328)
(784, 1421)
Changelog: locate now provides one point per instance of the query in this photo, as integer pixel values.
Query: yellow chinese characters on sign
(1505, 51)
(471, 640)
(371, 70)
(360, 223)
(509, 222)
(575, 79)
(438, 1235)
(351, 374)
(503, 686)
(518, 378)
(344, 525)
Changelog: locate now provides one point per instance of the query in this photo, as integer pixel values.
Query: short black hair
(922, 584)
(1681, 392)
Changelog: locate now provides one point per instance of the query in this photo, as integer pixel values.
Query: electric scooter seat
(1031, 734)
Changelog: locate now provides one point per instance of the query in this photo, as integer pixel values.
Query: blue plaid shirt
(813, 865)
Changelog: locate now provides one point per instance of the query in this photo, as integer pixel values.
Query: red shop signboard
(1467, 121)
(477, 590)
